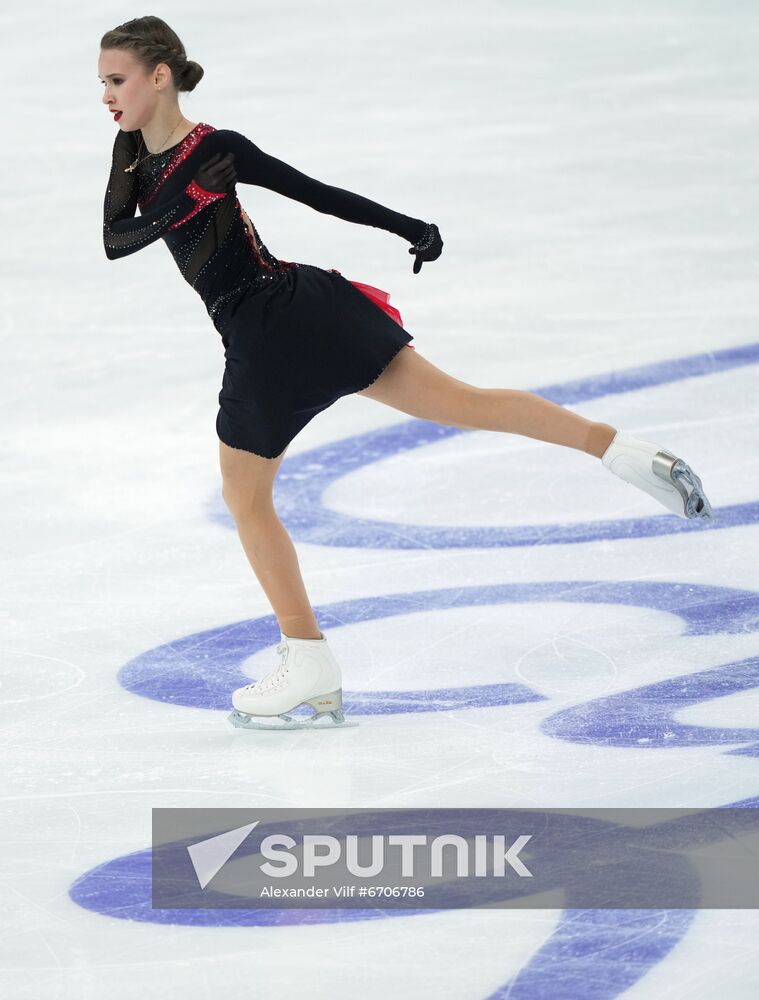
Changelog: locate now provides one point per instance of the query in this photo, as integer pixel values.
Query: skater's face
(129, 88)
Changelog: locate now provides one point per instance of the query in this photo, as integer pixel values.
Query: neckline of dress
(169, 148)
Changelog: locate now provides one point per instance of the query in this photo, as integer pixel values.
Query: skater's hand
(429, 247)
(218, 173)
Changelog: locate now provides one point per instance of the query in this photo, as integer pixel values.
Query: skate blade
(319, 720)
(687, 484)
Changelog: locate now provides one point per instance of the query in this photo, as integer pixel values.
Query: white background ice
(592, 170)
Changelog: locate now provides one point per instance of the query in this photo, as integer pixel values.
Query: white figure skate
(660, 473)
(308, 674)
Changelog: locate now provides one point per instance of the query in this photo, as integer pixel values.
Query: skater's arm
(123, 233)
(253, 166)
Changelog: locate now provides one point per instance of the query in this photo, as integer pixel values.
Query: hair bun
(192, 74)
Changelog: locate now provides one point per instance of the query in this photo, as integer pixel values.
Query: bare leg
(521, 412)
(247, 491)
(412, 384)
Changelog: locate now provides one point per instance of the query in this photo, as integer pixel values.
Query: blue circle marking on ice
(637, 938)
(200, 670)
(644, 718)
(303, 479)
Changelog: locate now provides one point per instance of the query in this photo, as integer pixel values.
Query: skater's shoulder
(228, 132)
(234, 138)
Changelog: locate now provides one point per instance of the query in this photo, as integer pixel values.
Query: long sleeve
(123, 234)
(253, 166)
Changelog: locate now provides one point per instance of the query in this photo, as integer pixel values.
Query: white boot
(660, 473)
(308, 673)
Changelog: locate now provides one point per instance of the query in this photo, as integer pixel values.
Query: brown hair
(152, 41)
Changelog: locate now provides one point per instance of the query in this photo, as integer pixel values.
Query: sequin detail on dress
(210, 242)
(214, 243)
(201, 198)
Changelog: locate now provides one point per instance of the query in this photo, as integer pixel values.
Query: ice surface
(592, 171)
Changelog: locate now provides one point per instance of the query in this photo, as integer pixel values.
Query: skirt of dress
(295, 348)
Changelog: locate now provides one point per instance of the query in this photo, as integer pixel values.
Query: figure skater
(296, 338)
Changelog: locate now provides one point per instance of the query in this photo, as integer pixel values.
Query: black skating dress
(296, 337)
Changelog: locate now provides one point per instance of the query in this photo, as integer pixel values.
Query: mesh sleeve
(122, 232)
(253, 166)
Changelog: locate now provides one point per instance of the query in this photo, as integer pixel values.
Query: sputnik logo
(209, 856)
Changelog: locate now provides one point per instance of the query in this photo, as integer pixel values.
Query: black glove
(428, 247)
(217, 174)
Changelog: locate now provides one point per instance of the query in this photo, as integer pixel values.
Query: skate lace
(273, 678)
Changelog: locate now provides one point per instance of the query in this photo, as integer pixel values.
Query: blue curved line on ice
(201, 670)
(633, 940)
(303, 478)
(645, 717)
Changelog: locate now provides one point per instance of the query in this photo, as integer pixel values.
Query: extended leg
(412, 384)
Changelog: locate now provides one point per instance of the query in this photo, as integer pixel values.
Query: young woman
(296, 338)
